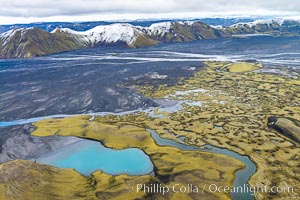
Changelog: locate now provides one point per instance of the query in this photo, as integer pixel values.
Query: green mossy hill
(25, 43)
(143, 41)
(244, 67)
(22, 179)
(234, 114)
(34, 181)
(15, 175)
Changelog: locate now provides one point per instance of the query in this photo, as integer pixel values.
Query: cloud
(47, 9)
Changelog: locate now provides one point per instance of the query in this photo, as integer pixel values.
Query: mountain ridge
(31, 42)
(276, 27)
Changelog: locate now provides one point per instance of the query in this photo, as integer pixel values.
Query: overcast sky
(24, 11)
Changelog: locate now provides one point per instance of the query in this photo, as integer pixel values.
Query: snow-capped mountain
(30, 42)
(266, 22)
(109, 35)
(270, 26)
(159, 29)
(6, 37)
(182, 31)
(138, 36)
(84, 26)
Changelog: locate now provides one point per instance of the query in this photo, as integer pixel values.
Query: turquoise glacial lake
(88, 156)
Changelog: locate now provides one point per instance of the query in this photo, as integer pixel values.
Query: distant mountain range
(84, 26)
(32, 41)
(272, 27)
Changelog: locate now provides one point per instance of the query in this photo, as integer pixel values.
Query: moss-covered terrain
(234, 115)
(244, 66)
(171, 165)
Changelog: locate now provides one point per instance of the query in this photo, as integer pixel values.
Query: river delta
(235, 106)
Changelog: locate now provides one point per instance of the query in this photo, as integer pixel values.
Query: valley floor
(235, 104)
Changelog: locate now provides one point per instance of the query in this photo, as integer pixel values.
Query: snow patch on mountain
(6, 36)
(123, 32)
(159, 29)
(189, 23)
(114, 33)
(267, 22)
(119, 32)
(219, 27)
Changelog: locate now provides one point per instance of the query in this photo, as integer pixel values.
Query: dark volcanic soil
(17, 143)
(46, 86)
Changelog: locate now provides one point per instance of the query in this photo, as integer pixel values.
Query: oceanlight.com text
(212, 188)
